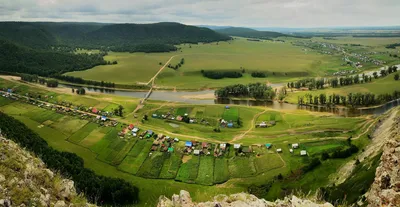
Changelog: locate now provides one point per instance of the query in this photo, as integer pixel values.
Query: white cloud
(252, 13)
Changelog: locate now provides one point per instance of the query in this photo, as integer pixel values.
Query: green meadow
(281, 61)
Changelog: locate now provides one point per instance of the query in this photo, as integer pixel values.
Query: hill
(158, 37)
(250, 33)
(21, 59)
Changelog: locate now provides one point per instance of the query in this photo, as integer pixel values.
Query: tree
(120, 110)
(397, 76)
(52, 83)
(81, 91)
(73, 90)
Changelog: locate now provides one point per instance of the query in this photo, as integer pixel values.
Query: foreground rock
(25, 181)
(235, 200)
(385, 191)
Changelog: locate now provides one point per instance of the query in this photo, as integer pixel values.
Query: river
(185, 97)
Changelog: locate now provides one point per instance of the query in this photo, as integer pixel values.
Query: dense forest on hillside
(97, 189)
(249, 33)
(158, 37)
(19, 59)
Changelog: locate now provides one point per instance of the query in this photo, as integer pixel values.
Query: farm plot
(319, 147)
(221, 170)
(267, 162)
(136, 157)
(171, 166)
(69, 125)
(42, 115)
(231, 114)
(82, 133)
(242, 167)
(206, 171)
(189, 169)
(152, 166)
(5, 101)
(92, 138)
(182, 111)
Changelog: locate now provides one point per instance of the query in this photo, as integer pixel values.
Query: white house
(196, 152)
(222, 146)
(236, 146)
(279, 150)
(134, 130)
(303, 153)
(295, 145)
(291, 150)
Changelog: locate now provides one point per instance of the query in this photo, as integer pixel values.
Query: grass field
(128, 158)
(269, 57)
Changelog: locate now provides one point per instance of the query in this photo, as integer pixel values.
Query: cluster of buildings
(293, 148)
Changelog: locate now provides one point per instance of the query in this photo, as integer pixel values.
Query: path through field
(253, 125)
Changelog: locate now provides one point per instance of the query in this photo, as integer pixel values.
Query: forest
(158, 37)
(20, 59)
(96, 188)
(252, 90)
(221, 74)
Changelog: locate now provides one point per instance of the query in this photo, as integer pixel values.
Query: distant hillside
(20, 59)
(249, 33)
(158, 37)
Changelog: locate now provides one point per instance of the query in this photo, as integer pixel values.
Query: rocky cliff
(385, 191)
(236, 200)
(25, 181)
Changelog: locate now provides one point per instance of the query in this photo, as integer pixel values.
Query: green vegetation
(250, 33)
(189, 170)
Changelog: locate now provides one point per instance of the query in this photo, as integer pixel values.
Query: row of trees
(319, 83)
(352, 99)
(258, 75)
(36, 79)
(177, 66)
(97, 189)
(221, 74)
(252, 90)
(78, 80)
(311, 83)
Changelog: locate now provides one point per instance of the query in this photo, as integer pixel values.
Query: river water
(184, 97)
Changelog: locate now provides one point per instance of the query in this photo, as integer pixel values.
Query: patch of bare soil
(186, 158)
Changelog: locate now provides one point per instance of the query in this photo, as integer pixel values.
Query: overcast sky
(249, 13)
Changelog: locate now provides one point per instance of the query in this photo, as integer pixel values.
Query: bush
(221, 74)
(258, 75)
(396, 77)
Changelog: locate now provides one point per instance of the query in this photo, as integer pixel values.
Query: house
(268, 145)
(135, 130)
(188, 144)
(196, 152)
(154, 148)
(154, 115)
(295, 145)
(179, 118)
(191, 121)
(156, 143)
(204, 145)
(263, 124)
(279, 150)
(222, 146)
(230, 125)
(150, 132)
(303, 153)
(236, 146)
(95, 111)
(176, 139)
(291, 150)
(170, 149)
(131, 126)
(186, 114)
(103, 118)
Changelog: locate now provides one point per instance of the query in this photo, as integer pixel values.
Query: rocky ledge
(235, 200)
(385, 191)
(25, 181)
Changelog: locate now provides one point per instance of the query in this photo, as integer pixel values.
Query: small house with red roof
(131, 126)
(95, 111)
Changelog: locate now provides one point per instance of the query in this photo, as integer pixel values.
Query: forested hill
(16, 58)
(249, 33)
(158, 37)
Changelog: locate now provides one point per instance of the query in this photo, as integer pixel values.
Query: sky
(248, 13)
